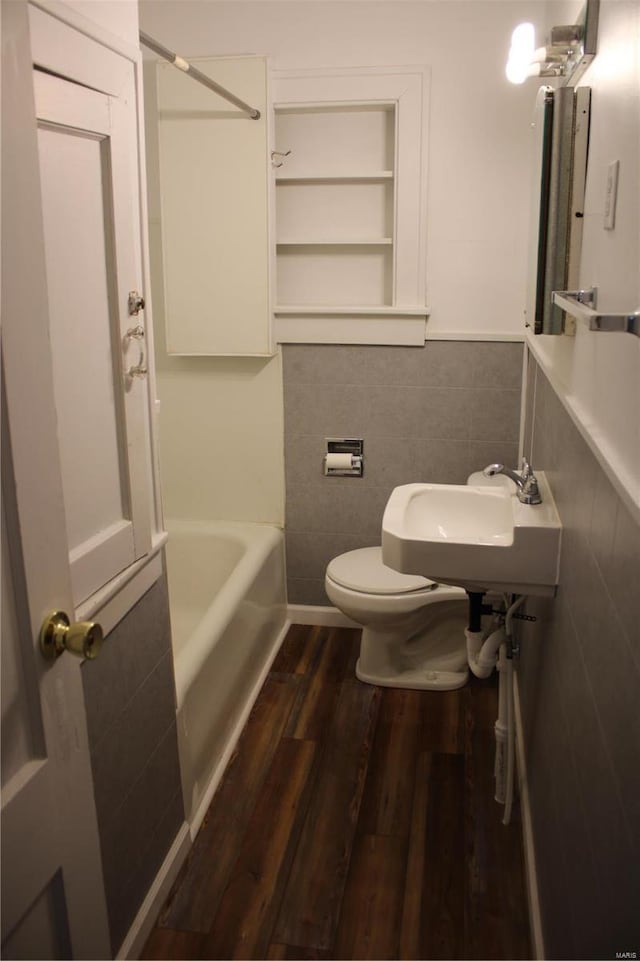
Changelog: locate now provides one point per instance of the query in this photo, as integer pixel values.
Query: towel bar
(582, 303)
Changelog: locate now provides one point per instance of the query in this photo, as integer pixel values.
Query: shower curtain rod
(197, 74)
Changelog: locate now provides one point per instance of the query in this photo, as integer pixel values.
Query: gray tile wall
(434, 413)
(579, 678)
(131, 714)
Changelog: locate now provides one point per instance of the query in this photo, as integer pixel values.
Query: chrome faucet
(526, 482)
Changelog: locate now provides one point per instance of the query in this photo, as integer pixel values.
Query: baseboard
(535, 917)
(321, 616)
(156, 896)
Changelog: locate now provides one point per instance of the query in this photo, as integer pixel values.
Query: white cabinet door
(214, 179)
(74, 459)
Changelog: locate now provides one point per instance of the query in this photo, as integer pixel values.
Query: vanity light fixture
(568, 53)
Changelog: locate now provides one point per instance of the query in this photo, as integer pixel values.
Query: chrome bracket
(582, 303)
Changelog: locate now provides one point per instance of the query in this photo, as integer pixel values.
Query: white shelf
(333, 242)
(354, 311)
(374, 177)
(351, 325)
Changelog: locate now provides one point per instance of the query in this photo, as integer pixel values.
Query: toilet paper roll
(339, 461)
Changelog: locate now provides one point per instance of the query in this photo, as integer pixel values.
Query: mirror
(561, 136)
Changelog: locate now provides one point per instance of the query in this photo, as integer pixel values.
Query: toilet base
(432, 658)
(420, 680)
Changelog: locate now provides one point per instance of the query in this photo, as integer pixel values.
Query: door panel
(87, 205)
(45, 925)
(19, 741)
(78, 270)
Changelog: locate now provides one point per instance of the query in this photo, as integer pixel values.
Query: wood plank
(319, 690)
(292, 952)
(444, 869)
(200, 885)
(443, 725)
(371, 911)
(352, 637)
(298, 650)
(496, 921)
(411, 924)
(311, 904)
(388, 796)
(168, 943)
(243, 924)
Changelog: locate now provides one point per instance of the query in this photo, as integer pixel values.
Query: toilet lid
(363, 570)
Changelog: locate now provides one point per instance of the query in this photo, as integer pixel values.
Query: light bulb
(523, 39)
(520, 53)
(516, 71)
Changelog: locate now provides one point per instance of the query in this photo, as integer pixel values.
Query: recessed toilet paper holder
(344, 457)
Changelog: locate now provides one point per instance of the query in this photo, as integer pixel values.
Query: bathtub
(227, 600)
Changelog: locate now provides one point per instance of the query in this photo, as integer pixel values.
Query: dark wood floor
(352, 822)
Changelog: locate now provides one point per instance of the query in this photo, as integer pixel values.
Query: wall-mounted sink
(478, 536)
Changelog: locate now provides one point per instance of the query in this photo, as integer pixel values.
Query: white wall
(221, 438)
(479, 138)
(598, 375)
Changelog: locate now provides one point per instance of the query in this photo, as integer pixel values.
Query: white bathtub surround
(228, 613)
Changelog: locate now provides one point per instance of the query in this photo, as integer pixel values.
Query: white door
(84, 148)
(74, 461)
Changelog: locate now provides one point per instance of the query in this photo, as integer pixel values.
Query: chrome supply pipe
(501, 727)
(508, 681)
(484, 653)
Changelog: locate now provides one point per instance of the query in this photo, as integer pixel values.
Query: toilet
(413, 629)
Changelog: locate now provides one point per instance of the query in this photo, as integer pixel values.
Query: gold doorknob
(58, 634)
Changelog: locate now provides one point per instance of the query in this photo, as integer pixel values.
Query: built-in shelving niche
(343, 225)
(335, 206)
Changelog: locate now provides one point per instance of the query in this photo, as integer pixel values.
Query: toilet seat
(362, 570)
